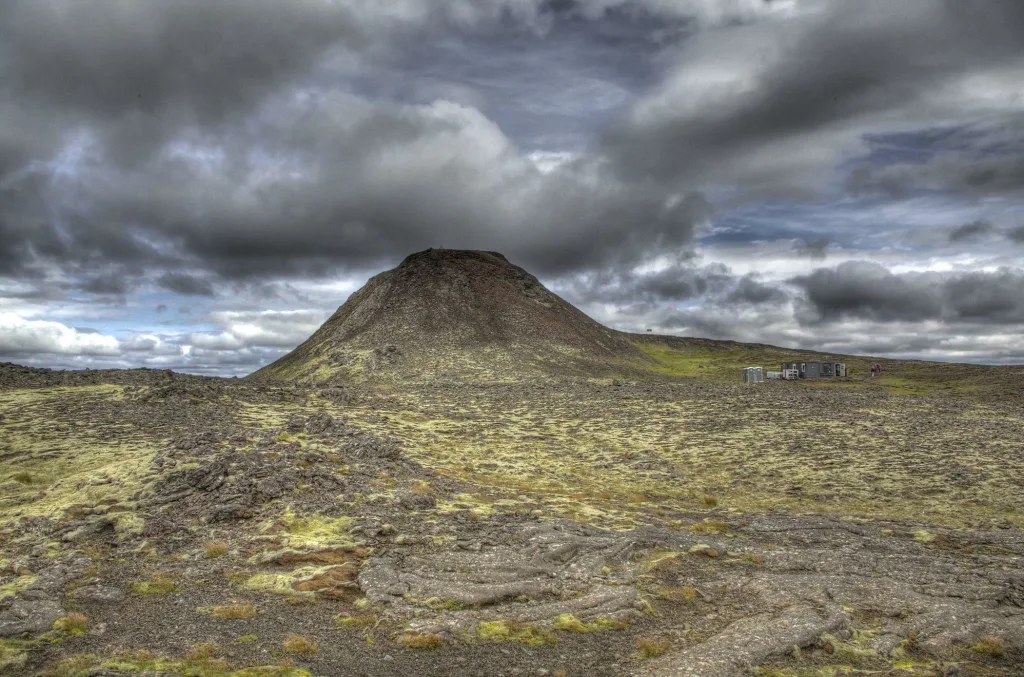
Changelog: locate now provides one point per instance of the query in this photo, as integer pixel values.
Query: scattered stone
(29, 616)
(101, 594)
(319, 423)
(414, 501)
(705, 550)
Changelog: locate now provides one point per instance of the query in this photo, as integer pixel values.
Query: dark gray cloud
(813, 248)
(860, 289)
(375, 181)
(750, 290)
(185, 284)
(963, 173)
(107, 283)
(215, 133)
(240, 146)
(145, 70)
(676, 283)
(986, 297)
(655, 298)
(863, 289)
(971, 230)
(779, 104)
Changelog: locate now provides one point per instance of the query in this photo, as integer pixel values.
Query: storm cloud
(867, 290)
(776, 105)
(680, 165)
(971, 230)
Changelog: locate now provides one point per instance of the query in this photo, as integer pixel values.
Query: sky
(197, 185)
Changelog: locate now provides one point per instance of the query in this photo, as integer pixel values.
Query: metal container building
(815, 369)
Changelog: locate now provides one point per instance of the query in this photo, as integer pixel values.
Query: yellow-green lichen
(14, 586)
(511, 631)
(570, 623)
(143, 661)
(13, 654)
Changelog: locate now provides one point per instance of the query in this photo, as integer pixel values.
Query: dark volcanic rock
(29, 616)
(411, 501)
(319, 423)
(440, 303)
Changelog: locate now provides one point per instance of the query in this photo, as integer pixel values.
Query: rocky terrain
(649, 518)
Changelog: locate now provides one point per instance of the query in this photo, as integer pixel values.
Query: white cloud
(18, 335)
(261, 329)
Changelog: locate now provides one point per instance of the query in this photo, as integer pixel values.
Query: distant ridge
(445, 312)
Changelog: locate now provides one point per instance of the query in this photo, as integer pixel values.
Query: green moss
(13, 654)
(309, 531)
(19, 583)
(102, 461)
(347, 622)
(72, 624)
(282, 583)
(922, 536)
(659, 558)
(438, 604)
(128, 525)
(134, 662)
(570, 623)
(160, 584)
(511, 631)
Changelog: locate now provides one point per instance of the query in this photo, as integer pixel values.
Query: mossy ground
(615, 456)
(685, 451)
(74, 448)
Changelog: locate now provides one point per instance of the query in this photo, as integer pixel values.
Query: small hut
(814, 369)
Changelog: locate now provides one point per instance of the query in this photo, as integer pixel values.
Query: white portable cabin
(753, 375)
(773, 375)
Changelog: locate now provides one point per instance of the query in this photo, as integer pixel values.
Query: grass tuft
(233, 611)
(678, 594)
(160, 584)
(651, 647)
(570, 623)
(201, 652)
(298, 644)
(512, 631)
(710, 526)
(989, 645)
(345, 621)
(424, 640)
(215, 549)
(73, 624)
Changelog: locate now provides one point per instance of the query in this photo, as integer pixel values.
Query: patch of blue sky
(979, 139)
(853, 223)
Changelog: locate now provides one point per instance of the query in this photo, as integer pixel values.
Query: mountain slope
(448, 312)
